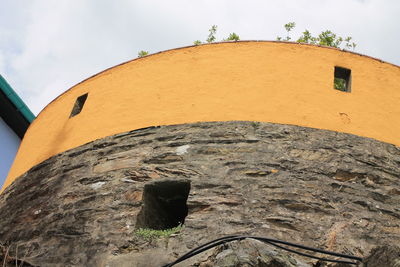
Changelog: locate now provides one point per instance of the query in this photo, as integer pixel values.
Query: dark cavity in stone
(164, 204)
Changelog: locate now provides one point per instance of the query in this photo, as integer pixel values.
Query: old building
(228, 138)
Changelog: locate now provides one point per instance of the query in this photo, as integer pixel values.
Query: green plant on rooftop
(143, 53)
(211, 36)
(197, 42)
(232, 37)
(326, 38)
(288, 27)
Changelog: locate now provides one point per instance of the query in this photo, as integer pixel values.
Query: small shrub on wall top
(143, 53)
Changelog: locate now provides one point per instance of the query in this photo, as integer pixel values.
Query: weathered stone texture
(319, 188)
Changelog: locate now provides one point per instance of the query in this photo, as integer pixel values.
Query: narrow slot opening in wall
(78, 106)
(164, 204)
(342, 79)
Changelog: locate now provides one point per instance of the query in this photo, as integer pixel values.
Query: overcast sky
(47, 46)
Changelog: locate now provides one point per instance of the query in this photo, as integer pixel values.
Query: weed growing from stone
(255, 124)
(150, 234)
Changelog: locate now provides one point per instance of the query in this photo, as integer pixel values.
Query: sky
(48, 46)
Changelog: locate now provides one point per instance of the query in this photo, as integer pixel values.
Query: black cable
(307, 248)
(205, 247)
(270, 241)
(212, 244)
(308, 255)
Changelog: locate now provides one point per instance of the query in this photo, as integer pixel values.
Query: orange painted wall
(276, 82)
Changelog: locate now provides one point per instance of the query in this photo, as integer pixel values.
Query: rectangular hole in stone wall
(164, 204)
(78, 106)
(342, 79)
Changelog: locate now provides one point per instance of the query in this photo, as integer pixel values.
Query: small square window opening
(80, 101)
(342, 79)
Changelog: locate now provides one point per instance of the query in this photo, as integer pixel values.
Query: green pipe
(16, 100)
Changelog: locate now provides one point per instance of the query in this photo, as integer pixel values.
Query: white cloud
(48, 46)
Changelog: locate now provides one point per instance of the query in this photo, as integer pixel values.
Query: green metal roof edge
(16, 100)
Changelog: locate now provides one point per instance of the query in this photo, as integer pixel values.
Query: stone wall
(319, 188)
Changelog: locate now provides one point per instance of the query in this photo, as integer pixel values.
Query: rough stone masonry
(319, 188)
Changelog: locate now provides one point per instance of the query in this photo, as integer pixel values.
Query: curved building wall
(275, 82)
(313, 187)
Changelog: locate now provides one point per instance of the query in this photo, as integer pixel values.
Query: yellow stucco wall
(258, 81)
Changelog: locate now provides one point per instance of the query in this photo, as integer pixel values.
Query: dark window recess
(164, 204)
(80, 101)
(342, 79)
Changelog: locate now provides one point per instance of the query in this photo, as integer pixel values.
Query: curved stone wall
(276, 82)
(319, 188)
